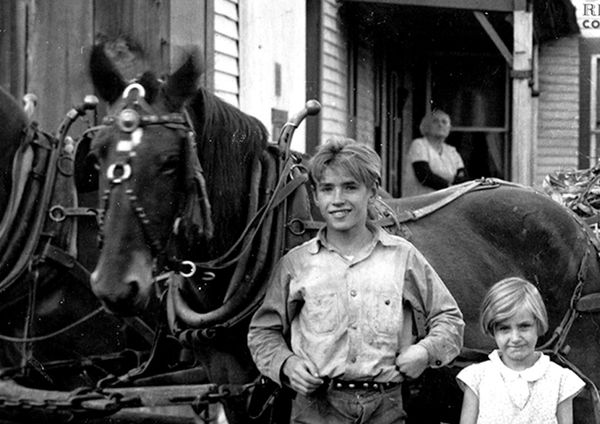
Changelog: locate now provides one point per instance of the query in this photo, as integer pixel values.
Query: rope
(53, 334)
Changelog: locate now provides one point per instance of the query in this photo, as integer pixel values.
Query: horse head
(157, 185)
(144, 190)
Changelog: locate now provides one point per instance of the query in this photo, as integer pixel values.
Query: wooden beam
(523, 143)
(314, 51)
(483, 5)
(491, 32)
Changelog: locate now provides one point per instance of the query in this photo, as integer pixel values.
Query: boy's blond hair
(358, 159)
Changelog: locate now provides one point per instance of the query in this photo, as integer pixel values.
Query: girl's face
(343, 201)
(516, 338)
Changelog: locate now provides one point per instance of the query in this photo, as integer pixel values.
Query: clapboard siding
(334, 92)
(558, 119)
(227, 55)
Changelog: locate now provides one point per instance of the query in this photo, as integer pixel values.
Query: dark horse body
(46, 342)
(479, 237)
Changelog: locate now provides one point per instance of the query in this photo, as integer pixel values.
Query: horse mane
(229, 144)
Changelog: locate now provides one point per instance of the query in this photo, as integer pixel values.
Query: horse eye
(170, 165)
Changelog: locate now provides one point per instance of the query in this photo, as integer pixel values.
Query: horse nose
(119, 299)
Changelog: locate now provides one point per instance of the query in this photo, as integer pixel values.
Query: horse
(54, 334)
(191, 187)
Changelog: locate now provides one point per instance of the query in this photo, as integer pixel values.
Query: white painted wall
(334, 88)
(273, 32)
(227, 42)
(558, 107)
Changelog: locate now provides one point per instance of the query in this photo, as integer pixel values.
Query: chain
(222, 392)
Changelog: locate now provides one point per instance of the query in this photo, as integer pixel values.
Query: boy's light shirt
(347, 316)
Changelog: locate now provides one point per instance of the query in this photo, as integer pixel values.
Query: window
(473, 90)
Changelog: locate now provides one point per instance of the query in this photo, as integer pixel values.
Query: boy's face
(343, 201)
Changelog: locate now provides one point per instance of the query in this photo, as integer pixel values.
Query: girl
(517, 384)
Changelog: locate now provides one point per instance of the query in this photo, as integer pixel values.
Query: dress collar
(533, 373)
(518, 382)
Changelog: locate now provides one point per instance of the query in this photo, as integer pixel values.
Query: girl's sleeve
(469, 377)
(570, 385)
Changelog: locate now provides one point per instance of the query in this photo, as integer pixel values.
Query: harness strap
(59, 256)
(21, 166)
(27, 233)
(590, 303)
(392, 219)
(407, 215)
(280, 193)
(591, 386)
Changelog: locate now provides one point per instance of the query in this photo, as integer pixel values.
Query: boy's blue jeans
(357, 406)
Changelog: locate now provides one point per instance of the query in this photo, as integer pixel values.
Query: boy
(334, 326)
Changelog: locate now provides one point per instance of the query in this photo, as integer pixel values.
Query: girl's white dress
(519, 397)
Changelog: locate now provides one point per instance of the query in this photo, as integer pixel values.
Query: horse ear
(107, 80)
(182, 84)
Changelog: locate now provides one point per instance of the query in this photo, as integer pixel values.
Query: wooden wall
(59, 36)
(45, 44)
(13, 15)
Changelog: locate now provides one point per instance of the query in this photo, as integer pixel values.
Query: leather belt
(336, 384)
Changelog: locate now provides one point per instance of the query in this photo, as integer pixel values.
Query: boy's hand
(302, 374)
(412, 361)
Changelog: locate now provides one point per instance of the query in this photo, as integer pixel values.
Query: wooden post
(522, 110)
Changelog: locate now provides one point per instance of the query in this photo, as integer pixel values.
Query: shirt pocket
(322, 313)
(385, 313)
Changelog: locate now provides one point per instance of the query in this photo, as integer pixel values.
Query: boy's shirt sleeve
(429, 296)
(268, 336)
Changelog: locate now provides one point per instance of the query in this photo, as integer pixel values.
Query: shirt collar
(381, 236)
(533, 373)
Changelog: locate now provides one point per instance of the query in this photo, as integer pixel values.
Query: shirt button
(353, 293)
(438, 362)
(353, 326)
(353, 360)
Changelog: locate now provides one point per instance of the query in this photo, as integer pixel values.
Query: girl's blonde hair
(508, 296)
(358, 159)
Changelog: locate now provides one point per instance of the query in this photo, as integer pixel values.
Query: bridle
(131, 122)
(279, 171)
